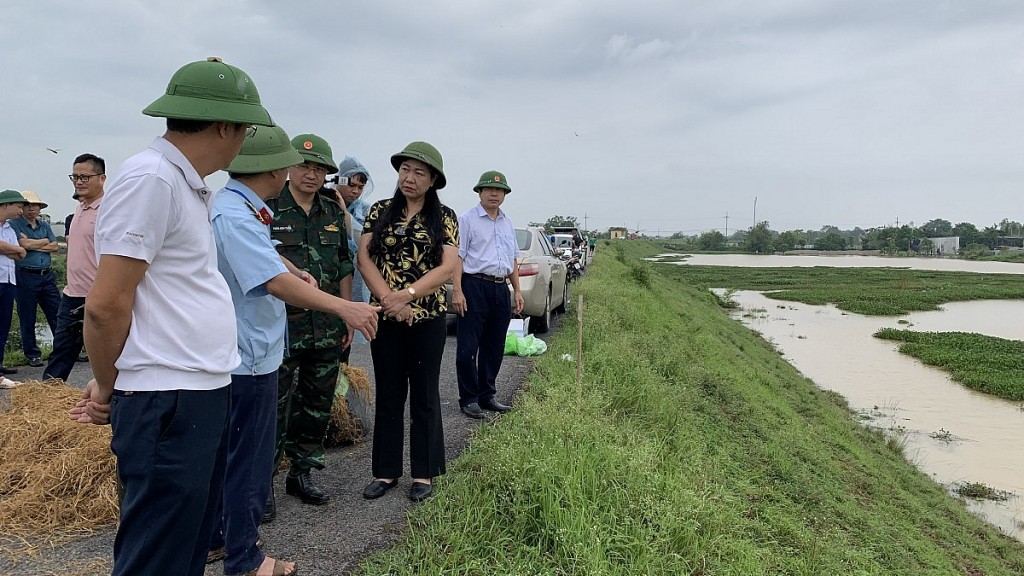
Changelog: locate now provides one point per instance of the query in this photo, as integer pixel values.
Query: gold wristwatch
(412, 291)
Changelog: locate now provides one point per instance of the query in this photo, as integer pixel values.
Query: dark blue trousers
(7, 294)
(407, 363)
(481, 338)
(171, 450)
(35, 289)
(251, 428)
(67, 338)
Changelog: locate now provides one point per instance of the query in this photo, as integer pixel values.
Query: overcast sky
(662, 115)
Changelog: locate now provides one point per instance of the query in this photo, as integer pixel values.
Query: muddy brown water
(952, 433)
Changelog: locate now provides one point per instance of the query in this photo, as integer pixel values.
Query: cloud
(622, 48)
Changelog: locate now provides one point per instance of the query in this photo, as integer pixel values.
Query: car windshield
(523, 238)
(563, 240)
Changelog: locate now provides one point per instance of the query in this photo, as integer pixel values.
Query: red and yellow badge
(308, 145)
(331, 228)
(497, 178)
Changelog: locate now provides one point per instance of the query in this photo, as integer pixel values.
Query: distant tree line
(761, 239)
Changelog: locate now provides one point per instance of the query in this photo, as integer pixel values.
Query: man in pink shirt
(88, 174)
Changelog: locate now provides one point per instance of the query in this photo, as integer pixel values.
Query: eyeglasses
(81, 177)
(314, 168)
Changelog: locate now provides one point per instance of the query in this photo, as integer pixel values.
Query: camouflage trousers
(305, 396)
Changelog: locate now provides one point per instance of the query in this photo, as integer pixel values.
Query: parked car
(542, 280)
(565, 247)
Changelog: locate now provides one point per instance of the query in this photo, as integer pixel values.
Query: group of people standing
(26, 274)
(203, 404)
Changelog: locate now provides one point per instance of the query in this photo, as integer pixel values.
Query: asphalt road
(323, 540)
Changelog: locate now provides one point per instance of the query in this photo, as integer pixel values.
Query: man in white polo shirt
(159, 327)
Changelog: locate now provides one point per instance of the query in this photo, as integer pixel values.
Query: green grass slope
(690, 448)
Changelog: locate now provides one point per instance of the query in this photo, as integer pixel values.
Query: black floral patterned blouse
(404, 256)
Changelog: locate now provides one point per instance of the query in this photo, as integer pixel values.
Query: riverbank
(691, 448)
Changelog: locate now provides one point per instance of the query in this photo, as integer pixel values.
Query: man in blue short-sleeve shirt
(260, 281)
(37, 285)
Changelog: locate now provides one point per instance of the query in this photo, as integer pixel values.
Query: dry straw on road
(344, 427)
(57, 478)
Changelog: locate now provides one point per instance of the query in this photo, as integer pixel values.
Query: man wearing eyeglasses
(37, 285)
(88, 174)
(158, 324)
(310, 229)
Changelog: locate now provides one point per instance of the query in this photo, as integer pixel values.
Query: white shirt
(182, 335)
(7, 263)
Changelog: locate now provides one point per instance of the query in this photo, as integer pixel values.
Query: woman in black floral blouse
(407, 252)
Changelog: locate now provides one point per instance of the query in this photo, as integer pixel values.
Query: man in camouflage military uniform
(310, 229)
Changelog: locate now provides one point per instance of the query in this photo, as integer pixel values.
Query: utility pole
(726, 223)
(585, 222)
(755, 213)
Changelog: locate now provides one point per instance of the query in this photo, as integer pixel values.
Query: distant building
(617, 233)
(946, 246)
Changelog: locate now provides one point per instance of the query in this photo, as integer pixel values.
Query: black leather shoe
(378, 488)
(473, 411)
(419, 491)
(494, 406)
(301, 485)
(270, 509)
(35, 362)
(6, 370)
(83, 357)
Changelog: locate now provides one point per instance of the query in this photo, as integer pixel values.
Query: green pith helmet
(265, 150)
(424, 153)
(315, 149)
(213, 91)
(492, 179)
(11, 197)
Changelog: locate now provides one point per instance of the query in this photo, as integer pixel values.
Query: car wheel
(540, 324)
(566, 297)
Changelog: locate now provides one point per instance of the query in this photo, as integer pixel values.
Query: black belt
(488, 277)
(36, 271)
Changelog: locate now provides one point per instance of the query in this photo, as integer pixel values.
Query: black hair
(97, 163)
(433, 222)
(187, 126)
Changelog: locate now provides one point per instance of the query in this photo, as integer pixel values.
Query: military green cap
(313, 148)
(424, 153)
(12, 197)
(265, 149)
(213, 91)
(492, 179)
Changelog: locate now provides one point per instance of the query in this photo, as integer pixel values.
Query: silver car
(542, 280)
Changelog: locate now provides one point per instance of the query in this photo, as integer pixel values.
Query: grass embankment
(983, 363)
(870, 291)
(691, 448)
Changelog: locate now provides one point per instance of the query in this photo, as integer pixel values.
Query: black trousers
(407, 363)
(171, 450)
(481, 338)
(67, 338)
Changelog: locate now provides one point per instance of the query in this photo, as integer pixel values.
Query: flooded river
(954, 434)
